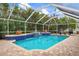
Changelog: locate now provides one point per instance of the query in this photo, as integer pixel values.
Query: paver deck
(68, 47)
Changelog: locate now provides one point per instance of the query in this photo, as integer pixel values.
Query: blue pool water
(40, 42)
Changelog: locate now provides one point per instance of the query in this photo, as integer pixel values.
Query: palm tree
(5, 9)
(16, 12)
(35, 17)
(26, 13)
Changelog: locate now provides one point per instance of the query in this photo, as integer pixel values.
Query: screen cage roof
(35, 16)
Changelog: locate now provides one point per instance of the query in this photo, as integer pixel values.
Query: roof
(68, 11)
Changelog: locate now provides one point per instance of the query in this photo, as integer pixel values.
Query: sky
(50, 10)
(44, 8)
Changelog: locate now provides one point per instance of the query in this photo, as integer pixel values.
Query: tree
(26, 13)
(5, 9)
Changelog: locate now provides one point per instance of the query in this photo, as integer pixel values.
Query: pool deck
(67, 47)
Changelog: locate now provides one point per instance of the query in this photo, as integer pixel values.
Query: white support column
(8, 19)
(68, 22)
(76, 27)
(48, 27)
(25, 26)
(35, 27)
(7, 27)
(56, 25)
(43, 27)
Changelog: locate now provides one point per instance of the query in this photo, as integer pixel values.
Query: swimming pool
(40, 42)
